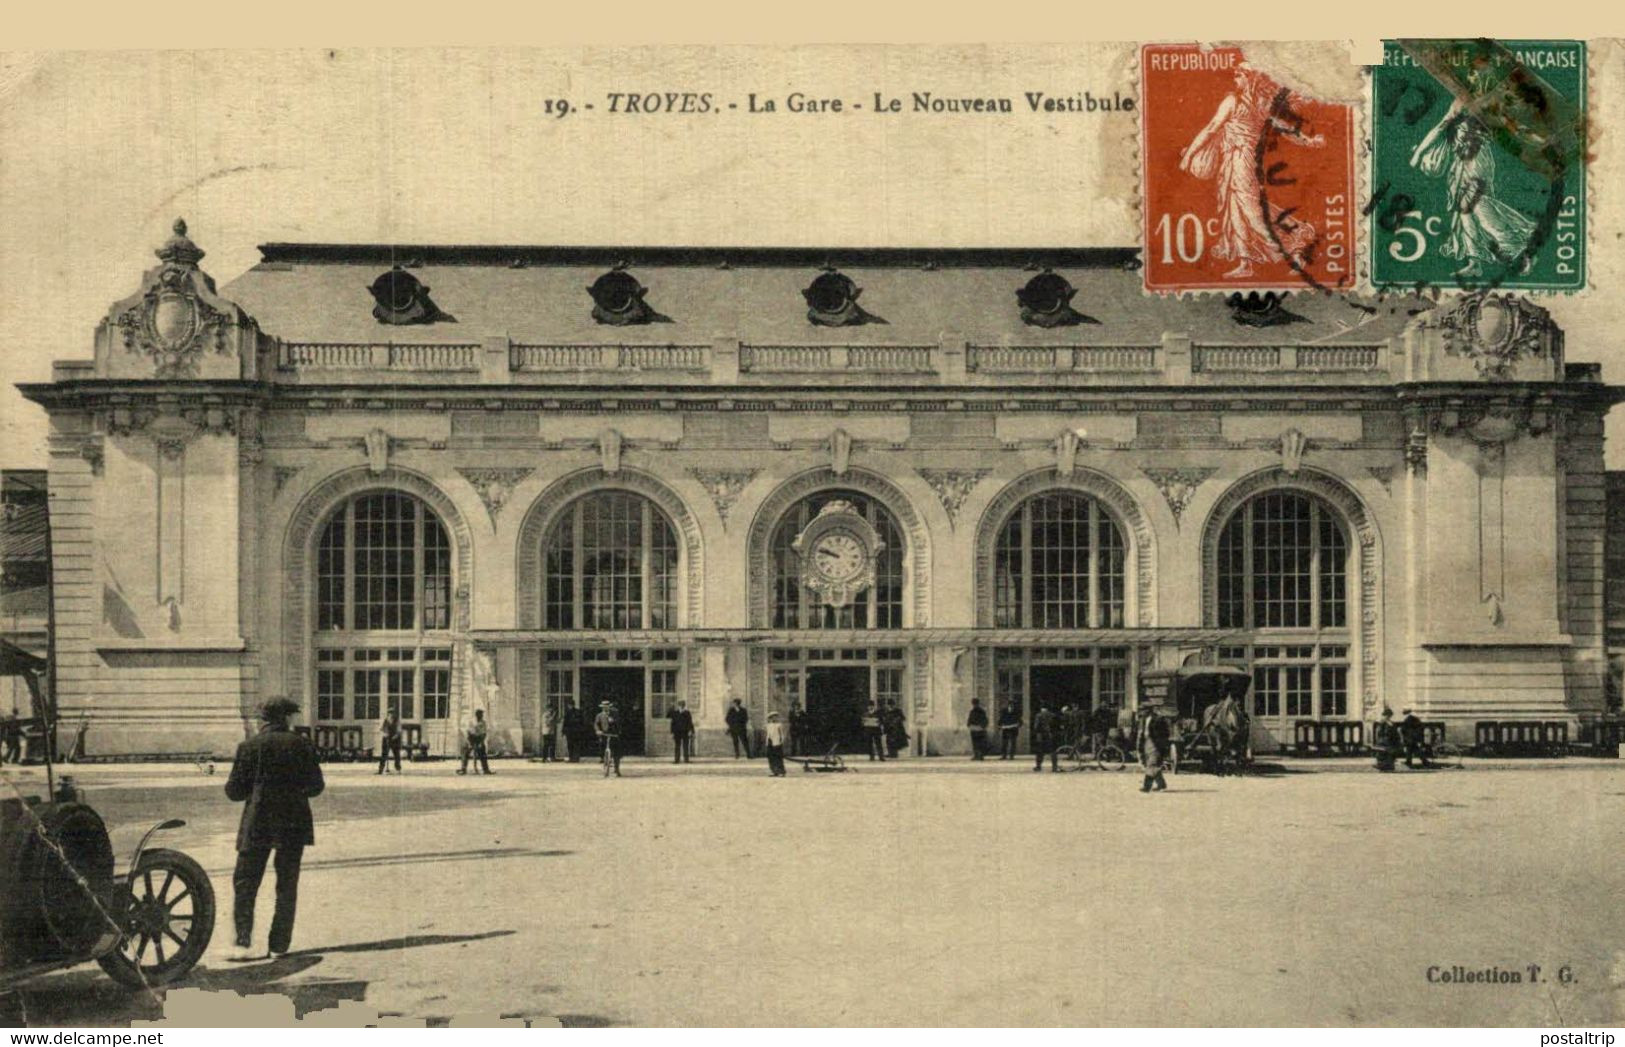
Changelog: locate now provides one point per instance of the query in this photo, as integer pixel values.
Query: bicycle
(1081, 757)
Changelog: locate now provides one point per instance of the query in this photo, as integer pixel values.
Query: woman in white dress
(1483, 230)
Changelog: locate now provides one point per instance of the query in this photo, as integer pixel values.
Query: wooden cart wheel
(167, 922)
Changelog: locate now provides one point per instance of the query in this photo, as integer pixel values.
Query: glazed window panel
(367, 687)
(1059, 563)
(1334, 690)
(611, 562)
(1282, 563)
(330, 694)
(436, 693)
(330, 576)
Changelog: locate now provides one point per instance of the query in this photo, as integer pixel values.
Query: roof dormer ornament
(177, 315)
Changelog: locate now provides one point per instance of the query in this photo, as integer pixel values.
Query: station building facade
(450, 478)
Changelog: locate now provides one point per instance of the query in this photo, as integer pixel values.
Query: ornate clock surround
(838, 520)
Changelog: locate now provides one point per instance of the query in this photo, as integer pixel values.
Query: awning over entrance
(942, 637)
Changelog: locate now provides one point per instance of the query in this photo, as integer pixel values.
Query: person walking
(274, 775)
(474, 744)
(977, 722)
(1385, 741)
(607, 726)
(682, 733)
(775, 745)
(1412, 734)
(575, 729)
(738, 720)
(550, 733)
(1046, 737)
(874, 738)
(389, 739)
(1009, 729)
(800, 731)
(1153, 745)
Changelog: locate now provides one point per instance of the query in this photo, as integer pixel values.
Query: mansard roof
(320, 293)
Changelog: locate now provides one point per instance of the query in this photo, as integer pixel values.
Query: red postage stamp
(1247, 184)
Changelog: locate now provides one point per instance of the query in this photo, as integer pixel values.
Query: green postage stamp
(1478, 165)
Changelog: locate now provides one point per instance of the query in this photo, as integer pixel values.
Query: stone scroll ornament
(1495, 331)
(724, 486)
(1178, 486)
(177, 315)
(952, 487)
(494, 486)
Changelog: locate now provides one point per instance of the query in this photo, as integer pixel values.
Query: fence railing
(1264, 359)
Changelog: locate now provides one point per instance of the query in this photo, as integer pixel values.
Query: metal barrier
(1328, 737)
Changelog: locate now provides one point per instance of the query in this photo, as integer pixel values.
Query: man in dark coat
(1412, 735)
(389, 739)
(1102, 725)
(1385, 741)
(977, 722)
(738, 719)
(895, 724)
(1154, 736)
(682, 733)
(1046, 738)
(1009, 728)
(274, 774)
(874, 733)
(800, 731)
(573, 727)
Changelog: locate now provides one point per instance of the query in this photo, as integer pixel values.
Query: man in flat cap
(274, 775)
(1154, 738)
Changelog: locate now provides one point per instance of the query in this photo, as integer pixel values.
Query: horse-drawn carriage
(1208, 706)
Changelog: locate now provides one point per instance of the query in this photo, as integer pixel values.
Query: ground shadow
(430, 858)
(410, 941)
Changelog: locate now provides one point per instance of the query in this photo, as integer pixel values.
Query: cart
(1208, 706)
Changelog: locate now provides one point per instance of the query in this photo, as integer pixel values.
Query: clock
(838, 550)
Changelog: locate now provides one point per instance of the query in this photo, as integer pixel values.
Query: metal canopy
(539, 639)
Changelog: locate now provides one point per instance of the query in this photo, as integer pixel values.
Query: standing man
(574, 728)
(1102, 722)
(11, 732)
(977, 722)
(895, 724)
(1009, 729)
(474, 744)
(874, 737)
(800, 731)
(1411, 733)
(550, 733)
(1046, 739)
(738, 719)
(389, 738)
(775, 746)
(607, 726)
(682, 733)
(274, 775)
(1386, 740)
(1153, 746)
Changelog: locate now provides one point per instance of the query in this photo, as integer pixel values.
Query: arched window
(611, 562)
(1059, 565)
(383, 611)
(1283, 562)
(878, 607)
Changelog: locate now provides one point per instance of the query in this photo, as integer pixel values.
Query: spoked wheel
(167, 923)
(1111, 758)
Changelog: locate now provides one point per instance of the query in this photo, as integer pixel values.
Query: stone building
(459, 477)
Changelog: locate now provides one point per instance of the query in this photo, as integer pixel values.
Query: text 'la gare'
(931, 102)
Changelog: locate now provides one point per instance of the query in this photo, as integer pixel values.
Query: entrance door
(1056, 686)
(836, 698)
(624, 687)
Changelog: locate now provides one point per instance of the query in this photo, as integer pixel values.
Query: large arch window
(1058, 564)
(383, 611)
(611, 563)
(1283, 561)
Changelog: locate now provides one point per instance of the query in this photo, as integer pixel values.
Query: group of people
(885, 731)
(471, 742)
(1073, 725)
(1408, 737)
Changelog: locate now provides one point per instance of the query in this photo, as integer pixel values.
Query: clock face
(839, 556)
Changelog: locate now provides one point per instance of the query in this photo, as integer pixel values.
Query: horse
(1225, 724)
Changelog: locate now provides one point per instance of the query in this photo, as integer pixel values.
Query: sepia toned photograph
(1098, 534)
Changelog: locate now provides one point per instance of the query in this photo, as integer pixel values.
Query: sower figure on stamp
(1226, 150)
(1009, 729)
(738, 720)
(474, 744)
(1484, 229)
(977, 723)
(1153, 746)
(274, 775)
(389, 738)
(682, 733)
